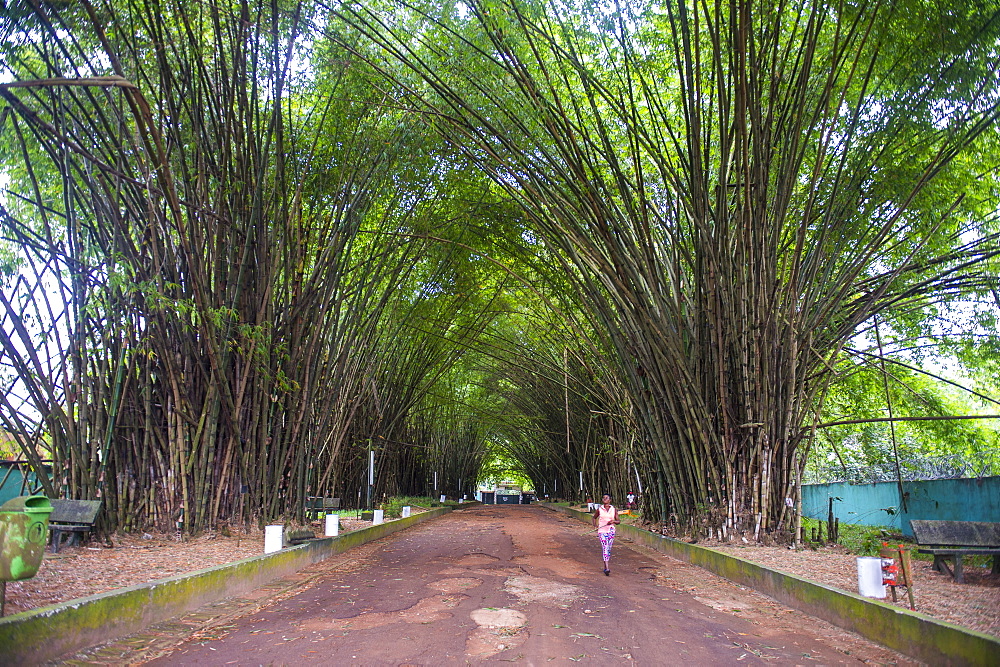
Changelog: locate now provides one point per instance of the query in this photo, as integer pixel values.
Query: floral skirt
(607, 539)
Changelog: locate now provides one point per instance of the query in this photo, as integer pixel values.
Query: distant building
(504, 493)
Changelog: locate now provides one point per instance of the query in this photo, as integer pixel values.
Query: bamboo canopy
(208, 322)
(248, 246)
(733, 189)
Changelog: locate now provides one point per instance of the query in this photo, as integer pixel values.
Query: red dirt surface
(496, 584)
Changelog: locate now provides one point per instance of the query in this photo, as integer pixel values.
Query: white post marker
(332, 525)
(378, 517)
(870, 577)
(443, 497)
(273, 538)
(581, 480)
(406, 511)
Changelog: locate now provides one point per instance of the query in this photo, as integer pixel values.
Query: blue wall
(12, 487)
(879, 504)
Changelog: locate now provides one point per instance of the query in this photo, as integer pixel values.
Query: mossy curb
(911, 633)
(44, 634)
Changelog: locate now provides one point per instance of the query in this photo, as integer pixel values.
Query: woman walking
(605, 520)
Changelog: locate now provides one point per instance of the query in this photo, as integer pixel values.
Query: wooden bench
(75, 517)
(300, 536)
(317, 504)
(951, 540)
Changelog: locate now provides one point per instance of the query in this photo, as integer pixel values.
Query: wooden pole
(907, 577)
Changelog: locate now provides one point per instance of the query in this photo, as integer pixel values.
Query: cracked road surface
(497, 584)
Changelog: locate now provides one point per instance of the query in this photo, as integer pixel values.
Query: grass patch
(863, 540)
(859, 539)
(393, 507)
(634, 517)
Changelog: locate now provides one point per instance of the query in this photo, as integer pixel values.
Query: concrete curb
(46, 633)
(911, 633)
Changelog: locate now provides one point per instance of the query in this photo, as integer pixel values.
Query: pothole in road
(565, 568)
(471, 560)
(455, 584)
(426, 610)
(538, 589)
(498, 630)
(498, 618)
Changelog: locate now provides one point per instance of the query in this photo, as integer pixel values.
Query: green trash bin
(24, 529)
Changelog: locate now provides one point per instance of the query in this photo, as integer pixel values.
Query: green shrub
(867, 541)
(860, 540)
(415, 501)
(393, 507)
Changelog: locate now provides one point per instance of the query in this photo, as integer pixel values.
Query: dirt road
(493, 584)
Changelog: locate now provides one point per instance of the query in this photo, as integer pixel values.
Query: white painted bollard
(406, 511)
(870, 577)
(378, 517)
(273, 538)
(443, 497)
(332, 525)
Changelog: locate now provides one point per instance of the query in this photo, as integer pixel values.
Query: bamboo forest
(253, 251)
